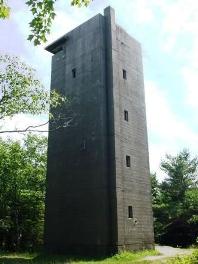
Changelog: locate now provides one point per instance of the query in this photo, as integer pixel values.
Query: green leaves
(43, 12)
(22, 192)
(182, 174)
(80, 3)
(21, 91)
(175, 200)
(4, 10)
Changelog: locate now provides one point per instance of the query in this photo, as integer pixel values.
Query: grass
(28, 258)
(191, 259)
(122, 258)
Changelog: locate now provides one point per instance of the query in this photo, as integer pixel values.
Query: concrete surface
(168, 252)
(89, 187)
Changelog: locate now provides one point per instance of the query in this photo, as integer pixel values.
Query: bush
(179, 233)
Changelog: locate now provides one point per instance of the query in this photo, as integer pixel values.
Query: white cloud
(156, 154)
(180, 16)
(66, 20)
(190, 76)
(136, 11)
(167, 132)
(161, 118)
(142, 11)
(179, 19)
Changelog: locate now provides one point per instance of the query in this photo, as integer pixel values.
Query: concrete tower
(98, 188)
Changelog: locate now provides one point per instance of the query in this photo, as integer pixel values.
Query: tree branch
(32, 128)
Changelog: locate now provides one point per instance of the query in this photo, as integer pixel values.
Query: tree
(22, 92)
(4, 10)
(43, 12)
(175, 203)
(154, 188)
(22, 192)
(182, 175)
(160, 207)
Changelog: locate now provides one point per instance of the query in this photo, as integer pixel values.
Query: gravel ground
(167, 252)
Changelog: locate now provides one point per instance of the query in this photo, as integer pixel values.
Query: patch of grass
(24, 255)
(16, 258)
(127, 256)
(191, 259)
(121, 258)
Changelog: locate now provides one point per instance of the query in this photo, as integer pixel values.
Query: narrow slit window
(128, 161)
(74, 73)
(124, 74)
(83, 145)
(130, 212)
(126, 115)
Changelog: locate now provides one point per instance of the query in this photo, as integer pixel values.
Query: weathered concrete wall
(130, 139)
(77, 205)
(89, 186)
(133, 183)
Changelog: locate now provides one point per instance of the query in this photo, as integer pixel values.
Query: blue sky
(168, 32)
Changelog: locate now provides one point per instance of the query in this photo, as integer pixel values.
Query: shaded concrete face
(98, 200)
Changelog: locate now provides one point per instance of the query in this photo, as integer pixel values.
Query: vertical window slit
(124, 74)
(126, 115)
(128, 161)
(130, 212)
(74, 73)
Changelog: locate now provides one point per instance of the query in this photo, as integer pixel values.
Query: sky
(168, 33)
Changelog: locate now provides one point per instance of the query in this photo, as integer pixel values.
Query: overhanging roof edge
(54, 45)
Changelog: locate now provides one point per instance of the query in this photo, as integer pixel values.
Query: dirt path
(167, 252)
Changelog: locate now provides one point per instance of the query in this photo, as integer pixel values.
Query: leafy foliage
(22, 191)
(21, 91)
(182, 175)
(43, 15)
(80, 3)
(175, 201)
(43, 12)
(4, 10)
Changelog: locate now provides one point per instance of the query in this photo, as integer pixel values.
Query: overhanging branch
(65, 124)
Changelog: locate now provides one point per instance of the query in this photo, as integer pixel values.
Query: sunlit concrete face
(98, 197)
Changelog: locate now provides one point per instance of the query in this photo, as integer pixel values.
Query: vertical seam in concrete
(111, 131)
